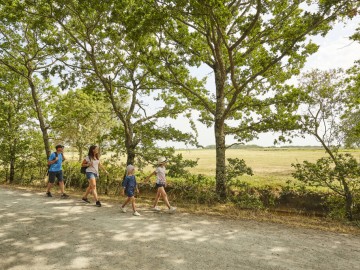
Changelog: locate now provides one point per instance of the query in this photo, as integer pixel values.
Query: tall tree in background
(326, 102)
(252, 48)
(28, 47)
(80, 119)
(14, 120)
(324, 106)
(111, 63)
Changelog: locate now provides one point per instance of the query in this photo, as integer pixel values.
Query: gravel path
(37, 232)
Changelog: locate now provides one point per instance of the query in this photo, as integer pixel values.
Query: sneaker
(64, 196)
(86, 200)
(123, 209)
(98, 203)
(172, 209)
(136, 213)
(48, 194)
(156, 208)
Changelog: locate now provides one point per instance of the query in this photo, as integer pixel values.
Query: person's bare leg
(88, 190)
(164, 195)
(157, 197)
(92, 183)
(62, 187)
(126, 202)
(49, 186)
(133, 203)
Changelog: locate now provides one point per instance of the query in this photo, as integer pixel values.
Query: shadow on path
(49, 233)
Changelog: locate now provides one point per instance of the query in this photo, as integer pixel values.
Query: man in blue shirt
(55, 170)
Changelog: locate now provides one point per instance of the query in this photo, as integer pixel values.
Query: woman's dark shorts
(159, 185)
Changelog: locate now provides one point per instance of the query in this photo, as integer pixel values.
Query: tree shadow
(49, 233)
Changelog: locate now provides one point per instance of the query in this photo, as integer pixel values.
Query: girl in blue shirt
(129, 186)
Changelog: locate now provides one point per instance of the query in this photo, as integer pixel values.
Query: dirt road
(37, 232)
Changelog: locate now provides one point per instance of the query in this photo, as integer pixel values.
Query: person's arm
(103, 168)
(147, 178)
(63, 157)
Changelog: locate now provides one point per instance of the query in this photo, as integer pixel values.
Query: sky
(336, 51)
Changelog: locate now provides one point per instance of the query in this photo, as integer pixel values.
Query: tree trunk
(12, 162)
(220, 159)
(130, 156)
(80, 154)
(348, 201)
(130, 145)
(130, 153)
(220, 131)
(40, 115)
(347, 191)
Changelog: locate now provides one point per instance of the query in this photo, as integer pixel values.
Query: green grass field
(271, 166)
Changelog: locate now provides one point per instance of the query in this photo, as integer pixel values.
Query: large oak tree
(252, 47)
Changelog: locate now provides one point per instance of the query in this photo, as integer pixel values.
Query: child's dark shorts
(159, 185)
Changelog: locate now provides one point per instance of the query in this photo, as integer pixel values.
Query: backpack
(83, 169)
(56, 155)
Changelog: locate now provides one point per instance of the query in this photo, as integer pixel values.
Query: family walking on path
(92, 163)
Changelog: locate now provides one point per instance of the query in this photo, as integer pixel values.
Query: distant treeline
(252, 146)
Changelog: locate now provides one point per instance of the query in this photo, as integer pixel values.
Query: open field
(271, 166)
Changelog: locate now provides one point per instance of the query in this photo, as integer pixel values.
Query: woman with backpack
(92, 164)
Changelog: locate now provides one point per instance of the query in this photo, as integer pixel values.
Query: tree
(323, 107)
(351, 117)
(322, 118)
(81, 119)
(252, 48)
(29, 48)
(109, 62)
(14, 118)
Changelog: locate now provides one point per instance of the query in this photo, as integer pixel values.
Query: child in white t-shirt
(161, 184)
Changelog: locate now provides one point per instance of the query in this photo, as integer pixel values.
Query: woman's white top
(94, 168)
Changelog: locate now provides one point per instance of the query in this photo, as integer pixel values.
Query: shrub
(339, 172)
(177, 165)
